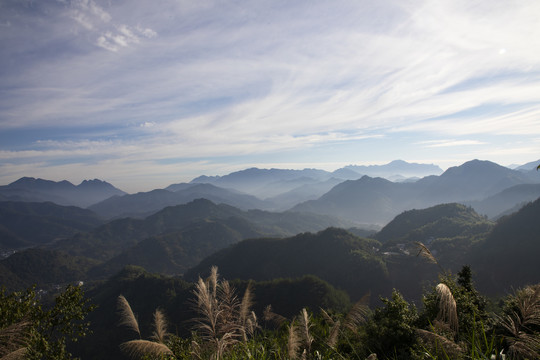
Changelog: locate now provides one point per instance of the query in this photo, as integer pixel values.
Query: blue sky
(147, 93)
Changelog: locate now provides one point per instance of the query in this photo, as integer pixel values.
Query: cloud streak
(212, 79)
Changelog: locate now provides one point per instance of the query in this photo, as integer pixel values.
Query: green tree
(390, 333)
(42, 333)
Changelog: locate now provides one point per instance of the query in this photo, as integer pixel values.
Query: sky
(144, 94)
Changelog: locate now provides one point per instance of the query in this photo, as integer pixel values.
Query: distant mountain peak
(397, 167)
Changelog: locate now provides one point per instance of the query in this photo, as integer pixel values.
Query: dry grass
(294, 341)
(137, 349)
(160, 327)
(521, 339)
(272, 317)
(127, 317)
(13, 340)
(18, 354)
(442, 347)
(305, 324)
(424, 252)
(447, 307)
(333, 336)
(358, 314)
(247, 318)
(223, 319)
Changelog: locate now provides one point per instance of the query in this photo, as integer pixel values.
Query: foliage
(508, 257)
(391, 331)
(43, 333)
(333, 255)
(520, 323)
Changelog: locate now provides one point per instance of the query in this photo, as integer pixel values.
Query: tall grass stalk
(127, 317)
(139, 348)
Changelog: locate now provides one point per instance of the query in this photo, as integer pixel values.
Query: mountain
(174, 253)
(270, 183)
(507, 199)
(45, 268)
(396, 167)
(302, 193)
(265, 183)
(62, 193)
(346, 174)
(376, 200)
(334, 255)
(145, 203)
(448, 230)
(364, 201)
(531, 166)
(440, 221)
(508, 258)
(113, 238)
(24, 224)
(473, 180)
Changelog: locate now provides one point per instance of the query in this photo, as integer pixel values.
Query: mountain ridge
(61, 192)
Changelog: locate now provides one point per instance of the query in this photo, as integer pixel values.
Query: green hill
(117, 236)
(44, 268)
(174, 253)
(448, 230)
(25, 224)
(508, 258)
(334, 255)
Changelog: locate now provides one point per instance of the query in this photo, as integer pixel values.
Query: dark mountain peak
(31, 183)
(444, 219)
(480, 166)
(183, 186)
(480, 169)
(24, 180)
(99, 185)
(197, 207)
(373, 179)
(91, 181)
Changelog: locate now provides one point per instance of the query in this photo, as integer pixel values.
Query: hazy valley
(302, 238)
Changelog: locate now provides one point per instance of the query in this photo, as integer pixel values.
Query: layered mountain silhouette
(178, 237)
(508, 199)
(376, 200)
(361, 199)
(508, 258)
(269, 183)
(26, 224)
(146, 203)
(396, 167)
(62, 193)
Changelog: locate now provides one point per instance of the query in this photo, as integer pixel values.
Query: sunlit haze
(144, 94)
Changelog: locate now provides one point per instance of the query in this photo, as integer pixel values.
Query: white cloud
(223, 80)
(449, 143)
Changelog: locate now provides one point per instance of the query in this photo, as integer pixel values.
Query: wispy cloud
(212, 79)
(449, 143)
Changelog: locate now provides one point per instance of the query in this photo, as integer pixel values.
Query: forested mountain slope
(334, 255)
(508, 258)
(24, 224)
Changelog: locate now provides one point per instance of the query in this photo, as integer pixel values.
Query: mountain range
(377, 200)
(490, 188)
(63, 192)
(188, 239)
